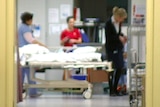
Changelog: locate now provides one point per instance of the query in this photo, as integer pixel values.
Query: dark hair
(26, 16)
(68, 18)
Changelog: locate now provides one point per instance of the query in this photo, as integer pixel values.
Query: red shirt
(74, 34)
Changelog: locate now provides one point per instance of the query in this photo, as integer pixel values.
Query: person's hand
(123, 39)
(65, 39)
(72, 41)
(125, 55)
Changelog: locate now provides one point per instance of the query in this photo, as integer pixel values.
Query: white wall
(54, 39)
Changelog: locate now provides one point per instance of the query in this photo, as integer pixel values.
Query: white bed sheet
(66, 57)
(34, 52)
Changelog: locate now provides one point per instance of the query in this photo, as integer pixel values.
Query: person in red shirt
(71, 35)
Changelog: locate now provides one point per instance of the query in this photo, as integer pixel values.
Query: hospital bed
(66, 65)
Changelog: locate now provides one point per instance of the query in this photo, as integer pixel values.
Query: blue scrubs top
(24, 28)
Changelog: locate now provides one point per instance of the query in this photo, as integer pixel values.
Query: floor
(99, 99)
(60, 100)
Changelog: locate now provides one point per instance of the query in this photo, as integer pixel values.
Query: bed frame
(67, 83)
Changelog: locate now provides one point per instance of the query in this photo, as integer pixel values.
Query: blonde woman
(115, 41)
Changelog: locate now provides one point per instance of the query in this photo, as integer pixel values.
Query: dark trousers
(117, 59)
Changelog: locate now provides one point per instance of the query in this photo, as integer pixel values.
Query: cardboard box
(97, 76)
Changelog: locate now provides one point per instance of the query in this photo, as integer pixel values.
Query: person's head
(119, 14)
(26, 18)
(70, 21)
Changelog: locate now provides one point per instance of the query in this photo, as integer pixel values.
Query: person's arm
(123, 39)
(114, 37)
(29, 38)
(64, 39)
(39, 43)
(76, 41)
(79, 40)
(110, 37)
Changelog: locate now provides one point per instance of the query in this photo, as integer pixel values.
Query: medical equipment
(136, 65)
(137, 86)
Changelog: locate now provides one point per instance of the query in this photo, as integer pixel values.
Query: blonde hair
(121, 12)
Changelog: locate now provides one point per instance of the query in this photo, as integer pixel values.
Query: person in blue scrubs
(26, 37)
